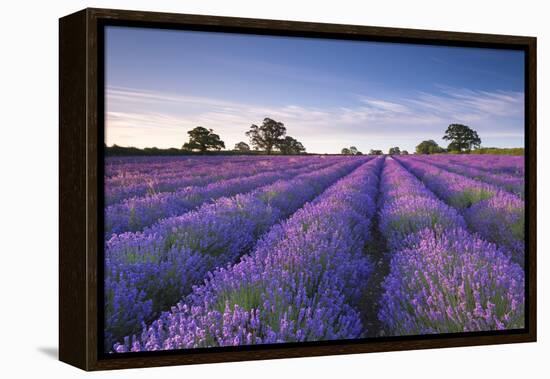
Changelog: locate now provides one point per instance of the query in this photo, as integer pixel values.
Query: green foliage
(469, 197)
(518, 228)
(203, 139)
(116, 150)
(462, 137)
(375, 152)
(246, 296)
(266, 136)
(394, 151)
(290, 146)
(352, 150)
(404, 152)
(407, 222)
(499, 151)
(242, 146)
(428, 147)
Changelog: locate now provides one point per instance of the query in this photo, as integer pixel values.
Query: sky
(329, 94)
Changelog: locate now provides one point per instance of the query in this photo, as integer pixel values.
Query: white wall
(28, 212)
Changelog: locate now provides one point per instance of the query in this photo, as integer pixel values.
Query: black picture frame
(81, 125)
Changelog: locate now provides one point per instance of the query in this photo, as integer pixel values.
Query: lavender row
(442, 278)
(407, 207)
(511, 165)
(143, 185)
(123, 166)
(154, 167)
(512, 183)
(300, 284)
(496, 215)
(192, 167)
(134, 214)
(148, 271)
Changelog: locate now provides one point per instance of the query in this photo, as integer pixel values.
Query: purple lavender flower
(302, 282)
(442, 279)
(136, 213)
(280, 255)
(509, 182)
(166, 260)
(501, 219)
(452, 282)
(496, 215)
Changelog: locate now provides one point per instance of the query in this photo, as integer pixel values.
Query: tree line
(462, 140)
(268, 137)
(271, 136)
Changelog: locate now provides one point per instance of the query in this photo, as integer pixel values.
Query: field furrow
(302, 282)
(146, 272)
(442, 278)
(137, 185)
(511, 183)
(127, 167)
(496, 215)
(507, 165)
(292, 249)
(135, 214)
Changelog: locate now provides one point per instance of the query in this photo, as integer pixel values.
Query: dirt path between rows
(377, 251)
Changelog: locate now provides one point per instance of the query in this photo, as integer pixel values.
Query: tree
(375, 152)
(352, 150)
(266, 136)
(394, 151)
(462, 137)
(203, 139)
(242, 146)
(404, 152)
(289, 145)
(428, 147)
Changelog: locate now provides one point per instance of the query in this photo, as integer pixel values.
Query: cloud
(124, 94)
(148, 118)
(383, 105)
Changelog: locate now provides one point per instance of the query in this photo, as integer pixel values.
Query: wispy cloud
(151, 97)
(146, 118)
(384, 105)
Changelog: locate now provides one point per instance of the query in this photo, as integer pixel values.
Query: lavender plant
(496, 215)
(451, 281)
(138, 180)
(511, 183)
(225, 251)
(164, 261)
(501, 219)
(442, 278)
(300, 284)
(136, 213)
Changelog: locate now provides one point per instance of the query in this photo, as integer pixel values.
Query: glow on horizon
(160, 85)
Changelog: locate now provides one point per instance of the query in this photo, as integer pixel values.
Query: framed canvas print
(237, 189)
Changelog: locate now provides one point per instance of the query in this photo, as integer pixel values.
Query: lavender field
(205, 251)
